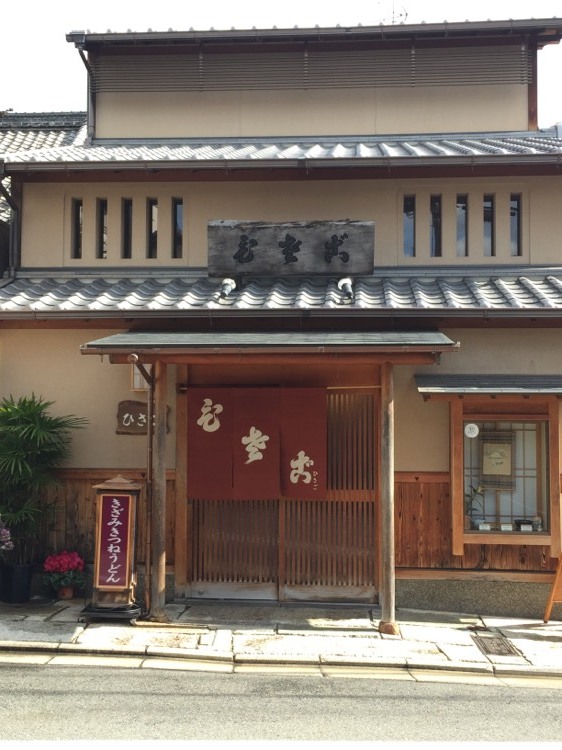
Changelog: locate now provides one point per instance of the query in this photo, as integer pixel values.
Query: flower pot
(16, 583)
(65, 592)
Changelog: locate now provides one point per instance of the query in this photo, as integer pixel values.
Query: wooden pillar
(182, 546)
(158, 561)
(388, 581)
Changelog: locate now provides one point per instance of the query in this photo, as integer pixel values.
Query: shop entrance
(292, 549)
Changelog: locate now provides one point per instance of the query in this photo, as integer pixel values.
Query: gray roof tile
(71, 148)
(393, 291)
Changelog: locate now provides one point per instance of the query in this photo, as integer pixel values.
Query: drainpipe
(91, 119)
(14, 249)
(148, 378)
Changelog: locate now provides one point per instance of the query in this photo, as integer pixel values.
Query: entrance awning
(169, 346)
(432, 385)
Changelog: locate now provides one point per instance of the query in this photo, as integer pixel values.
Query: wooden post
(555, 592)
(388, 581)
(158, 561)
(182, 547)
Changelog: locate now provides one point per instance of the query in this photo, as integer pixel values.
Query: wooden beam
(158, 561)
(294, 358)
(388, 585)
(433, 574)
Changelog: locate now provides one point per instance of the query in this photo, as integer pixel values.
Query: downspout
(14, 247)
(148, 378)
(91, 119)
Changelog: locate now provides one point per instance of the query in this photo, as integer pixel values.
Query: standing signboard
(555, 592)
(114, 559)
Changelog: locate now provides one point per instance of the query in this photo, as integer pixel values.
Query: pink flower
(63, 562)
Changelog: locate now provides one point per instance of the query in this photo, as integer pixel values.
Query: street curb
(207, 656)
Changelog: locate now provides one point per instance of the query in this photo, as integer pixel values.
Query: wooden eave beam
(231, 171)
(294, 358)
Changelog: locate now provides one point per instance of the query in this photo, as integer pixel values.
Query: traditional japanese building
(323, 265)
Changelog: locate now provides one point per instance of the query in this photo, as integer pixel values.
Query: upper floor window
(101, 228)
(462, 226)
(489, 218)
(435, 226)
(515, 224)
(126, 228)
(77, 212)
(151, 228)
(409, 225)
(177, 227)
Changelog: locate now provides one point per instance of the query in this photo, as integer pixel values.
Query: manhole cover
(495, 645)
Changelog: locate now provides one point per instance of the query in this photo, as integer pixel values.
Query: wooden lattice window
(505, 475)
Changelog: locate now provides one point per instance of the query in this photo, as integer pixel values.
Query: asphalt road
(71, 703)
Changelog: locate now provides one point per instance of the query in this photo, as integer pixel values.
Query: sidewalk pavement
(231, 637)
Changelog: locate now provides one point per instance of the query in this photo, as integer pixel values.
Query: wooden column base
(389, 628)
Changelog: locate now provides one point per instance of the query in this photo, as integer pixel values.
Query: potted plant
(473, 505)
(6, 544)
(64, 573)
(33, 444)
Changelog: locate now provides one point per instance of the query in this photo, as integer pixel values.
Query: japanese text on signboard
(114, 542)
(331, 247)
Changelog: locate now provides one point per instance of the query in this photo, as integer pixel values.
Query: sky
(43, 72)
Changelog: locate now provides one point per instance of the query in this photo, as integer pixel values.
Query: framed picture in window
(497, 460)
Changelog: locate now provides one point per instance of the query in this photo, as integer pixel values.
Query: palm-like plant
(33, 444)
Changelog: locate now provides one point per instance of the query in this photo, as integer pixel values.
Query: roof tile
(388, 290)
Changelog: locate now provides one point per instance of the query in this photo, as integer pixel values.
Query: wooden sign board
(335, 248)
(556, 591)
(114, 542)
(132, 418)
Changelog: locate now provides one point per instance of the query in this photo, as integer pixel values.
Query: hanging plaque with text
(339, 248)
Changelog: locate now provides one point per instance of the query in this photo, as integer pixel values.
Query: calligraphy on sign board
(340, 248)
(114, 550)
(132, 418)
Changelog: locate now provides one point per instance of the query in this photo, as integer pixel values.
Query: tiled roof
(236, 340)
(453, 293)
(333, 150)
(39, 130)
(429, 384)
(23, 132)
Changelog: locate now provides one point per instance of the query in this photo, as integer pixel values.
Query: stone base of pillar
(389, 628)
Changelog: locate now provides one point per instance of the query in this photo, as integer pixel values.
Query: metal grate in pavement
(492, 645)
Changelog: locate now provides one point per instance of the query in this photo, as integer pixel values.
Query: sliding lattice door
(299, 549)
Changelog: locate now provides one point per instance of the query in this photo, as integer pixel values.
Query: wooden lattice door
(299, 549)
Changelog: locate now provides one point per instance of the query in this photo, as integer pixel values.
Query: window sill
(529, 538)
